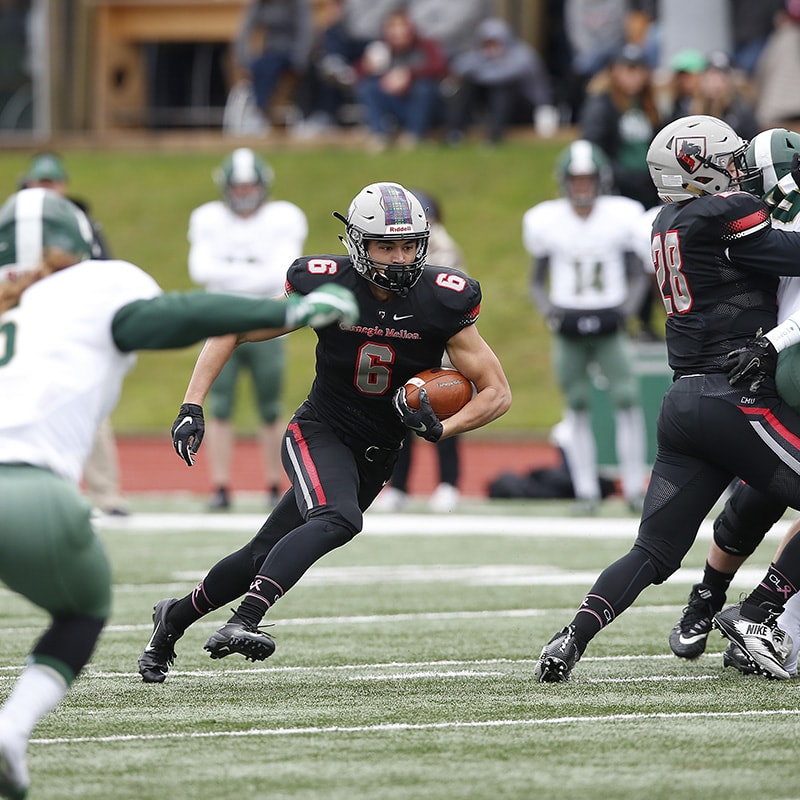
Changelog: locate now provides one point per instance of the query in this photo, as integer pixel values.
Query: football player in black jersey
(717, 261)
(769, 160)
(341, 444)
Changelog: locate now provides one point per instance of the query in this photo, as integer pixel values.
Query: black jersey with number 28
(358, 369)
(717, 262)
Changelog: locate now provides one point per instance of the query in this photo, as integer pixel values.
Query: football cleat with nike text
(239, 637)
(558, 657)
(159, 655)
(689, 636)
(761, 641)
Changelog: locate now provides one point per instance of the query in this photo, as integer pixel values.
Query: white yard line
(429, 726)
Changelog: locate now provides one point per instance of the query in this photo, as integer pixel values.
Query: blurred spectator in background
(442, 251)
(330, 78)
(243, 244)
(719, 95)
(364, 19)
(777, 75)
(621, 117)
(501, 79)
(692, 25)
(684, 84)
(586, 279)
(451, 24)
(595, 31)
(274, 40)
(101, 473)
(398, 84)
(751, 24)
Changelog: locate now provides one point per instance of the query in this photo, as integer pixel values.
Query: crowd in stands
(410, 71)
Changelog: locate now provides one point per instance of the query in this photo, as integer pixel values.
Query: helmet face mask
(245, 181)
(766, 159)
(584, 159)
(690, 157)
(36, 221)
(389, 213)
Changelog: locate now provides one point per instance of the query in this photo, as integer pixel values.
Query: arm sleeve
(538, 287)
(179, 319)
(638, 283)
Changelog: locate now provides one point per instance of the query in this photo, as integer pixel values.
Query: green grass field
(144, 197)
(404, 669)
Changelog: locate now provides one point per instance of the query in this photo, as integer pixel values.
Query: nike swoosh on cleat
(692, 639)
(150, 643)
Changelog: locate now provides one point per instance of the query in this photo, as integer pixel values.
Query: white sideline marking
(376, 524)
(427, 726)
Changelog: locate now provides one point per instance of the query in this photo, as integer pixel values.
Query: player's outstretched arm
(179, 319)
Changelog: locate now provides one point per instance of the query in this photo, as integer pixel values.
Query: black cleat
(689, 636)
(558, 657)
(762, 642)
(159, 655)
(239, 637)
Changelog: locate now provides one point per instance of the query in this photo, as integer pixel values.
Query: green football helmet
(245, 180)
(35, 220)
(767, 158)
(583, 157)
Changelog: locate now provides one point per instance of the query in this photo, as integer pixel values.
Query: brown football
(448, 390)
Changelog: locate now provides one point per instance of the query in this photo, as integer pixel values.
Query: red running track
(149, 464)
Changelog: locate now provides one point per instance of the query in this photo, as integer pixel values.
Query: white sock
(631, 449)
(789, 621)
(36, 693)
(581, 454)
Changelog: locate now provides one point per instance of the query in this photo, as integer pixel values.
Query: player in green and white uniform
(69, 327)
(587, 279)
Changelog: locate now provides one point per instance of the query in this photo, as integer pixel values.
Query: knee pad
(744, 521)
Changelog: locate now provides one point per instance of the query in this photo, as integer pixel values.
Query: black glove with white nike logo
(423, 421)
(756, 361)
(187, 431)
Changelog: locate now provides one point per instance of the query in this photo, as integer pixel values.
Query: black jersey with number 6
(717, 262)
(358, 369)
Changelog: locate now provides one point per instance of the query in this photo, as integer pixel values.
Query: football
(448, 390)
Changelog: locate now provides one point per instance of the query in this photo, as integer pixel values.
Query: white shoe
(14, 778)
(445, 498)
(390, 499)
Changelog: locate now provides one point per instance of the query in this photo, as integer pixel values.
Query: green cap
(688, 61)
(46, 167)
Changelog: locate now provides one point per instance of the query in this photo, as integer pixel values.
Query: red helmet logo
(691, 153)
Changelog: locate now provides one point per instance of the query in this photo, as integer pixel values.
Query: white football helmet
(245, 181)
(386, 211)
(689, 157)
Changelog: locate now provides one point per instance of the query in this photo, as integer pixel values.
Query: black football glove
(422, 420)
(756, 361)
(188, 431)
